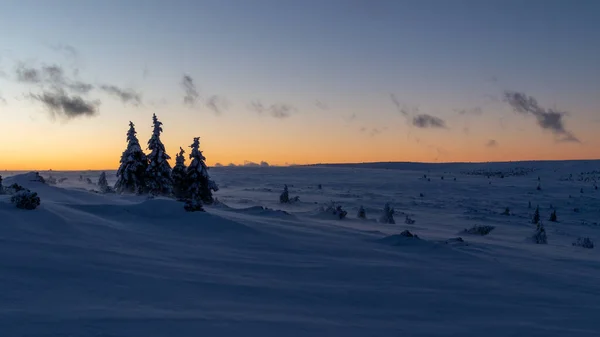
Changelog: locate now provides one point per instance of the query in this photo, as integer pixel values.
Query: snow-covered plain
(88, 264)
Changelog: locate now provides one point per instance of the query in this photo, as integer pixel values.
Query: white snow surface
(88, 264)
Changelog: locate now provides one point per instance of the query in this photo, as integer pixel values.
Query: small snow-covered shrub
(388, 215)
(62, 180)
(479, 230)
(409, 221)
(51, 180)
(584, 242)
(408, 234)
(25, 199)
(193, 206)
(539, 236)
(14, 188)
(553, 217)
(506, 211)
(336, 210)
(284, 198)
(362, 214)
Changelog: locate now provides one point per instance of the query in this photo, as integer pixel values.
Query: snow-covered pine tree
(536, 216)
(158, 173)
(132, 172)
(1, 188)
(103, 183)
(362, 214)
(388, 215)
(284, 198)
(200, 186)
(178, 176)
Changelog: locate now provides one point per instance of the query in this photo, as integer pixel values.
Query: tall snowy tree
(200, 186)
(1, 187)
(158, 172)
(132, 172)
(103, 184)
(178, 176)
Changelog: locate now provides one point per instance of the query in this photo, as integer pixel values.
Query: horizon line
(334, 164)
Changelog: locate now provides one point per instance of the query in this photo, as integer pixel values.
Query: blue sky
(439, 56)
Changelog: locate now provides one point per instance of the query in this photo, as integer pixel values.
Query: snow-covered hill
(88, 264)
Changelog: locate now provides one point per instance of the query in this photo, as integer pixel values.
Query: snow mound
(402, 239)
(264, 211)
(57, 194)
(29, 179)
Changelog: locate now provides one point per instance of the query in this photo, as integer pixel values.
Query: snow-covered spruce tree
(103, 184)
(200, 186)
(1, 188)
(553, 217)
(132, 172)
(536, 216)
(388, 215)
(284, 198)
(362, 214)
(539, 236)
(158, 173)
(178, 176)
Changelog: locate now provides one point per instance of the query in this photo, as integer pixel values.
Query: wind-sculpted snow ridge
(88, 264)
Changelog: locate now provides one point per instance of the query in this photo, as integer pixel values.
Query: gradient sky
(334, 65)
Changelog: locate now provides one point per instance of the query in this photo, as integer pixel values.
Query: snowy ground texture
(88, 264)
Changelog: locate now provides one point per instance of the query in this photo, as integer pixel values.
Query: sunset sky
(297, 82)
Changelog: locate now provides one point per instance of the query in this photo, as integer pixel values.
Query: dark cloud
(52, 75)
(191, 93)
(491, 143)
(321, 105)
(217, 104)
(248, 163)
(27, 75)
(477, 111)
(80, 87)
(281, 111)
(424, 121)
(547, 119)
(125, 95)
(60, 104)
